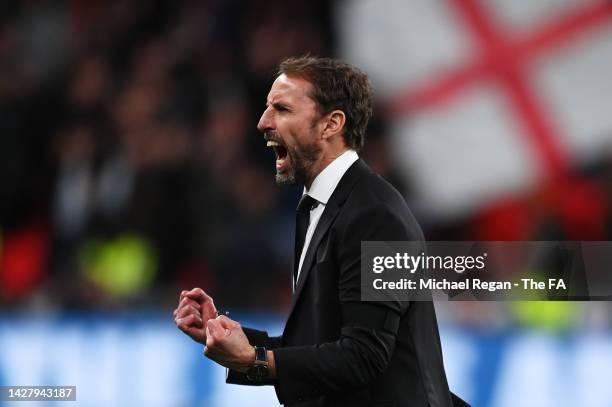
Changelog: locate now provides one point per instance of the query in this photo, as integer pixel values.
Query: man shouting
(335, 349)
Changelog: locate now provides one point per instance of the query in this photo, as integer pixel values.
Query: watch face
(260, 354)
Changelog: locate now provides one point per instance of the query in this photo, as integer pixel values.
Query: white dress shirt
(321, 189)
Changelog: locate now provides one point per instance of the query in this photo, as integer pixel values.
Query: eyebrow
(278, 105)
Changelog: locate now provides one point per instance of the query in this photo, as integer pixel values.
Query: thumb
(225, 322)
(216, 329)
(211, 327)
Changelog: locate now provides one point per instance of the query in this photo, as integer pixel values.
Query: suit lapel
(335, 203)
(325, 222)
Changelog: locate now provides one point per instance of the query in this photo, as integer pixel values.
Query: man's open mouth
(281, 154)
(279, 149)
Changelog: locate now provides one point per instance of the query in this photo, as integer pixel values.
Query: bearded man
(336, 350)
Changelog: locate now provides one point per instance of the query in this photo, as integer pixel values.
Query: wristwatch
(259, 369)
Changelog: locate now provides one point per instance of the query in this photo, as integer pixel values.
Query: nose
(265, 121)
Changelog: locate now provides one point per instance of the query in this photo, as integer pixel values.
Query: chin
(285, 179)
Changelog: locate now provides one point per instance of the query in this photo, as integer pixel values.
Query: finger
(176, 312)
(213, 327)
(210, 340)
(183, 303)
(188, 301)
(223, 321)
(196, 333)
(227, 323)
(217, 330)
(222, 329)
(188, 322)
(188, 310)
(200, 296)
(196, 294)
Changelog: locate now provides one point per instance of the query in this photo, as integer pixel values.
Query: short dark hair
(336, 86)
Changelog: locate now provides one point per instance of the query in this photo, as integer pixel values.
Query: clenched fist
(227, 344)
(195, 309)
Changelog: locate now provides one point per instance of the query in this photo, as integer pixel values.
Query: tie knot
(306, 203)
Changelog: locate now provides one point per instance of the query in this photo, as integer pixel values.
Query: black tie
(302, 219)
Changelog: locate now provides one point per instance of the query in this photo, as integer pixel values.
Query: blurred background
(131, 168)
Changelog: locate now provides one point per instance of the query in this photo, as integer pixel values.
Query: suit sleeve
(364, 348)
(256, 338)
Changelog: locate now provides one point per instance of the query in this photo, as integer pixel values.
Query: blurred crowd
(131, 167)
(131, 164)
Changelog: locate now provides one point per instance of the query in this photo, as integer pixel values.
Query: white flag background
(490, 97)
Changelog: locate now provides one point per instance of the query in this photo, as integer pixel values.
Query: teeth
(272, 144)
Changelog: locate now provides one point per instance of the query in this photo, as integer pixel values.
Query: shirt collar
(325, 183)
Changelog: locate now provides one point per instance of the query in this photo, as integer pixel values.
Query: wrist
(248, 360)
(251, 356)
(258, 370)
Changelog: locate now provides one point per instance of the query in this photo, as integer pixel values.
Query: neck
(320, 165)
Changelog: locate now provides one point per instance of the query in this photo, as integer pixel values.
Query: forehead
(290, 88)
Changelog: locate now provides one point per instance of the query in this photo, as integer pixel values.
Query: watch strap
(259, 369)
(261, 355)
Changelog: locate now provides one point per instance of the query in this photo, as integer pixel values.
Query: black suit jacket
(337, 350)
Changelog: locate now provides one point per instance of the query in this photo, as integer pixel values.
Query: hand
(194, 310)
(227, 344)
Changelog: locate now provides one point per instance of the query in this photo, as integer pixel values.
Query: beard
(302, 158)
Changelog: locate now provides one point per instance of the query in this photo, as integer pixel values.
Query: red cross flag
(490, 97)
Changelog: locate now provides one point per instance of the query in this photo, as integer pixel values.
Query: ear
(334, 124)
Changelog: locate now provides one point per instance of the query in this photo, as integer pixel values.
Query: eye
(281, 108)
